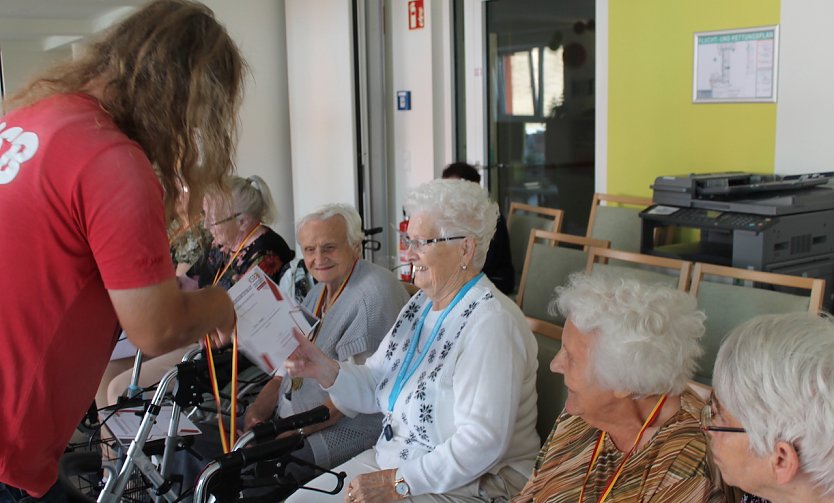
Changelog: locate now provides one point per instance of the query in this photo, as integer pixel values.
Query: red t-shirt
(81, 212)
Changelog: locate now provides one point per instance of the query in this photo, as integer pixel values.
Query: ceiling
(47, 24)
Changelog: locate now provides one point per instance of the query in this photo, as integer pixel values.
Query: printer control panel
(706, 219)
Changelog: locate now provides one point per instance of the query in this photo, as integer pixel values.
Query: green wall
(654, 128)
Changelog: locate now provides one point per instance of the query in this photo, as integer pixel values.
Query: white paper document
(265, 321)
(124, 423)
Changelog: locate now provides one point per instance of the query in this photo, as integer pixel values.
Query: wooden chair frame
(815, 285)
(545, 328)
(558, 215)
(602, 255)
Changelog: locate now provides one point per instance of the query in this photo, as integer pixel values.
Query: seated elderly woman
(241, 236)
(455, 377)
(771, 419)
(630, 430)
(236, 219)
(357, 302)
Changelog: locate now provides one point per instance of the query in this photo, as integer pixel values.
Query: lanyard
(598, 450)
(407, 370)
(318, 311)
(213, 372)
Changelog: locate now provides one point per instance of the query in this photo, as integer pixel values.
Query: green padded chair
(549, 262)
(617, 221)
(523, 219)
(730, 296)
(550, 387)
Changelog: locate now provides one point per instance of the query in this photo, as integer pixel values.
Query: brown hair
(172, 80)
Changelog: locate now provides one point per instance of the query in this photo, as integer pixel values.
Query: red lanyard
(318, 311)
(598, 450)
(227, 444)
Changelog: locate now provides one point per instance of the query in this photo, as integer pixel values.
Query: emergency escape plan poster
(736, 65)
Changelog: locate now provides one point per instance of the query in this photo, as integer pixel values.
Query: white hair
(646, 335)
(353, 222)
(459, 207)
(252, 197)
(775, 373)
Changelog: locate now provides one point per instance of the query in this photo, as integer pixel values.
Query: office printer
(771, 223)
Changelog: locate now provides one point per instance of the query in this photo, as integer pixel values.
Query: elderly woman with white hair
(454, 377)
(771, 419)
(630, 430)
(356, 302)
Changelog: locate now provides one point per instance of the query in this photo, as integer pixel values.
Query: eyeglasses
(222, 220)
(419, 244)
(707, 416)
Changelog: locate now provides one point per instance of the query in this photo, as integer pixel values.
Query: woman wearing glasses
(236, 217)
(771, 422)
(242, 239)
(629, 431)
(454, 378)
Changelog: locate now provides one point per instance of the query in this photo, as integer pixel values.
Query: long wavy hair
(172, 80)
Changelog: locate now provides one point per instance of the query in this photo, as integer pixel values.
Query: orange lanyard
(598, 450)
(213, 372)
(318, 311)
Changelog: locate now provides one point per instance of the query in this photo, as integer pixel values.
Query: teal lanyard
(407, 370)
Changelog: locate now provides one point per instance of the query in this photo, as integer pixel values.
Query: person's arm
(350, 386)
(263, 408)
(160, 318)
(335, 416)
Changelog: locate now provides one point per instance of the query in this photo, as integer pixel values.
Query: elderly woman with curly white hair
(630, 430)
(455, 377)
(771, 420)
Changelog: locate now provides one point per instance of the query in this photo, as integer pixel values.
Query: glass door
(540, 82)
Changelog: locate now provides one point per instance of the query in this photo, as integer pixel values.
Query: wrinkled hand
(221, 336)
(374, 487)
(263, 408)
(309, 361)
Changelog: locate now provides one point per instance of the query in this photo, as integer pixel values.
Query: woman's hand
(373, 487)
(263, 408)
(309, 361)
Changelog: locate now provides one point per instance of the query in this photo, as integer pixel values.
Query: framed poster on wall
(736, 65)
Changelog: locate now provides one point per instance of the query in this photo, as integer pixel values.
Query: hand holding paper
(309, 361)
(265, 321)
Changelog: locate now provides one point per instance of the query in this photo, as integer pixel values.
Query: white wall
(264, 147)
(422, 137)
(474, 81)
(23, 61)
(321, 94)
(805, 106)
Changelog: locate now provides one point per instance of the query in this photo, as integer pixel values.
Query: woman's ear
(784, 462)
(467, 250)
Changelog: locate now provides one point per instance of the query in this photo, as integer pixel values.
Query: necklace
(240, 246)
(213, 371)
(598, 450)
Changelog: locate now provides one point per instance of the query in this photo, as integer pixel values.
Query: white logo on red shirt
(22, 145)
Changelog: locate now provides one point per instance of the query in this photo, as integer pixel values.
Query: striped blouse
(671, 468)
